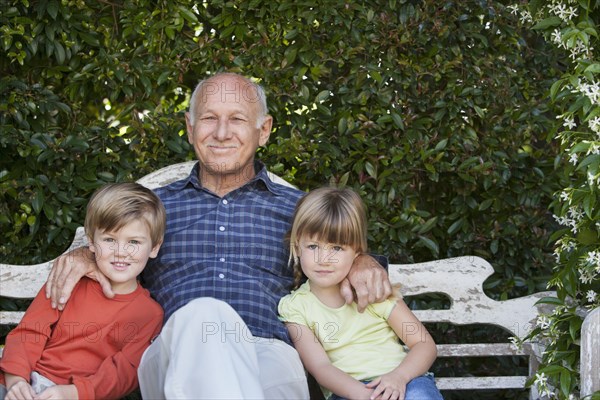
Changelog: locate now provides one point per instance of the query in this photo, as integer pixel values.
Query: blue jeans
(421, 388)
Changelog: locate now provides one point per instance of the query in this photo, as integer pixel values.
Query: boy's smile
(121, 255)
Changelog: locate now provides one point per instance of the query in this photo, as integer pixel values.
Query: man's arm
(67, 270)
(369, 280)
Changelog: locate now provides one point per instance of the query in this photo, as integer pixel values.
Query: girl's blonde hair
(330, 215)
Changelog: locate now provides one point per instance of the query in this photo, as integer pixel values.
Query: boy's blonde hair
(116, 204)
(330, 215)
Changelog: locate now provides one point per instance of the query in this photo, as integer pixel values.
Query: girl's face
(324, 264)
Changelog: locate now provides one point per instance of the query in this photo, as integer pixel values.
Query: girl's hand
(59, 392)
(21, 390)
(388, 387)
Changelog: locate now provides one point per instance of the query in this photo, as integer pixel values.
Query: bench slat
(480, 350)
(481, 382)
(11, 317)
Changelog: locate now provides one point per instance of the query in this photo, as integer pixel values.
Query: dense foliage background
(436, 111)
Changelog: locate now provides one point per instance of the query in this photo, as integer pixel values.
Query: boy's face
(121, 255)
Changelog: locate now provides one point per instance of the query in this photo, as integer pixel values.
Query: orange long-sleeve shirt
(95, 343)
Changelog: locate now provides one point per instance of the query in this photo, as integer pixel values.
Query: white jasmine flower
(574, 158)
(594, 125)
(543, 322)
(569, 122)
(591, 296)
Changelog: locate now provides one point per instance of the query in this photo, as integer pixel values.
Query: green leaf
(187, 14)
(38, 201)
(322, 96)
(370, 170)
(550, 300)
(428, 225)
(550, 22)
(430, 244)
(398, 122)
(52, 8)
(593, 68)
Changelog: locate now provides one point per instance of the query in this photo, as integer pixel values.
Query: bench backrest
(460, 279)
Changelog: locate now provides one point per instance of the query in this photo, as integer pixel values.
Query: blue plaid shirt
(230, 248)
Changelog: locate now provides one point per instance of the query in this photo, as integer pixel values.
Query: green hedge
(434, 110)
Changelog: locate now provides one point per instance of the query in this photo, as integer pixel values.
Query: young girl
(352, 355)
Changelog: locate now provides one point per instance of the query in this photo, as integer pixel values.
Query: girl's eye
(312, 246)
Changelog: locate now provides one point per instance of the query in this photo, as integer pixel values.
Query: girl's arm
(419, 359)
(315, 360)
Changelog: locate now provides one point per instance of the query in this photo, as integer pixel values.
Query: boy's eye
(133, 241)
(337, 248)
(109, 240)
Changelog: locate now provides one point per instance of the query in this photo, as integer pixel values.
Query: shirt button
(221, 276)
(225, 201)
(222, 259)
(221, 228)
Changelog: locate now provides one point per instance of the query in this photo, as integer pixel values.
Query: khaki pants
(206, 351)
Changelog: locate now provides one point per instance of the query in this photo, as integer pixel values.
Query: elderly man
(223, 266)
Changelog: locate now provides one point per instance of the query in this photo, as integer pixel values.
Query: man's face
(226, 130)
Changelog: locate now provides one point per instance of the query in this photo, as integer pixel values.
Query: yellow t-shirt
(361, 344)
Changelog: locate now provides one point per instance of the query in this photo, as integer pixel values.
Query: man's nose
(222, 130)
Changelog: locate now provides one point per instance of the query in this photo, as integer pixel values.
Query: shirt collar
(261, 176)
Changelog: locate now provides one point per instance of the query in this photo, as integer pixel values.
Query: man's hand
(59, 392)
(67, 270)
(369, 280)
(18, 388)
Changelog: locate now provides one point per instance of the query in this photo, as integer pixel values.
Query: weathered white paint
(590, 353)
(461, 279)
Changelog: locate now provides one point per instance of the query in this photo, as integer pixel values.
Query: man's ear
(189, 127)
(265, 130)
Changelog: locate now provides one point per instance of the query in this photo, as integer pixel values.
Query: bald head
(230, 87)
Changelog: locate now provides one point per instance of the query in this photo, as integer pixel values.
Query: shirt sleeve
(25, 343)
(290, 310)
(117, 375)
(383, 309)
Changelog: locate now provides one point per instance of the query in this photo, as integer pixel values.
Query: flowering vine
(573, 27)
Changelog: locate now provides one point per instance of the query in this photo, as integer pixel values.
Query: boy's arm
(315, 360)
(18, 387)
(422, 351)
(117, 375)
(26, 342)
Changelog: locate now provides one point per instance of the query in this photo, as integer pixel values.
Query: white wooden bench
(460, 279)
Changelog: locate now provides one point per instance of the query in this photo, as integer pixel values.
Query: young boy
(93, 347)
